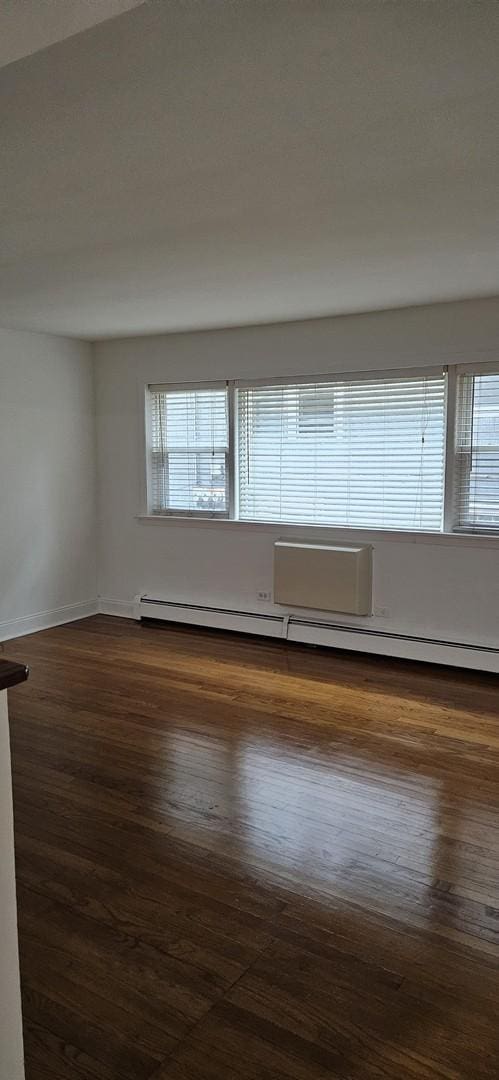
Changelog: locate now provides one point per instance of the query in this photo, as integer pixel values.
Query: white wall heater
(312, 631)
(323, 577)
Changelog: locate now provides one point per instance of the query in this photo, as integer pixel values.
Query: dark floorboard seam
(188, 1035)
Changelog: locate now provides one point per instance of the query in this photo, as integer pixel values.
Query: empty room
(249, 540)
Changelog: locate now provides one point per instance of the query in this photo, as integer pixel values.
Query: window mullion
(231, 455)
(451, 462)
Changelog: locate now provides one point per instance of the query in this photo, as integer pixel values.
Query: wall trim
(471, 656)
(401, 647)
(324, 533)
(44, 620)
(245, 622)
(292, 627)
(124, 609)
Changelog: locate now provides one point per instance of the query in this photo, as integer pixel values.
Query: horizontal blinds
(364, 453)
(188, 450)
(477, 453)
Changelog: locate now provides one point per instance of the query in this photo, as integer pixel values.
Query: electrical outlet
(381, 612)
(264, 594)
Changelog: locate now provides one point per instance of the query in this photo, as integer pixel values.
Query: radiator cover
(323, 577)
(314, 632)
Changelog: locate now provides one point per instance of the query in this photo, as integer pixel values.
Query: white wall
(47, 481)
(440, 587)
(11, 1040)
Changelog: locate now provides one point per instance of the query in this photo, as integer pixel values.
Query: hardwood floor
(241, 860)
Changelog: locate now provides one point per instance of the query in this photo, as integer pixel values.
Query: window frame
(450, 527)
(460, 371)
(405, 374)
(178, 512)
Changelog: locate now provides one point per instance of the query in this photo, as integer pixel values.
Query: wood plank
(239, 859)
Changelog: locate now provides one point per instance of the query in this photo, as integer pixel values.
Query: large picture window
(361, 451)
(368, 452)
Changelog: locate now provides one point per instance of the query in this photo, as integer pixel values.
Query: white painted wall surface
(11, 1040)
(47, 481)
(440, 587)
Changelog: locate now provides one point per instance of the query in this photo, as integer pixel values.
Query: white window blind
(188, 451)
(366, 452)
(477, 453)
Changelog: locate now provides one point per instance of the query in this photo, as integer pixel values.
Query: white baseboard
(313, 632)
(125, 609)
(401, 647)
(305, 631)
(44, 620)
(215, 618)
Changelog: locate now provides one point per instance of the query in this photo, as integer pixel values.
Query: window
(316, 409)
(366, 451)
(477, 453)
(188, 451)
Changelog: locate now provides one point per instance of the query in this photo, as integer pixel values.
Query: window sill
(334, 532)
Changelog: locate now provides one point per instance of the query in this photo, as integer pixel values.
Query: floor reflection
(270, 862)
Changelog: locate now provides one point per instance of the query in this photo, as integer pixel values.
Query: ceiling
(29, 25)
(191, 164)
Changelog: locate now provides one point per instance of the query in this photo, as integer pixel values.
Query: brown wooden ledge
(11, 674)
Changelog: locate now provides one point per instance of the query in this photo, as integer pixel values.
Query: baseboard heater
(317, 632)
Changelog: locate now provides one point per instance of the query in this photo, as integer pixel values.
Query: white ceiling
(29, 25)
(195, 163)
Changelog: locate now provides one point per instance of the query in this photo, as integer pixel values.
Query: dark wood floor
(239, 860)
